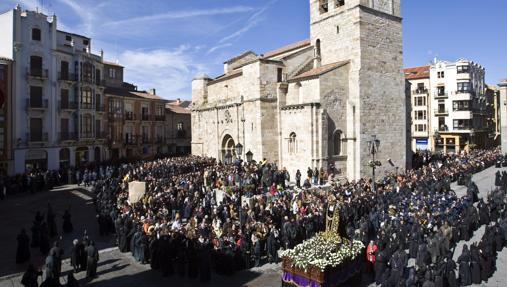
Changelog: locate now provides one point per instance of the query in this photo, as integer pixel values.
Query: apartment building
(5, 113)
(452, 100)
(178, 127)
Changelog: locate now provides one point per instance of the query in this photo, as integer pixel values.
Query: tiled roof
(112, 64)
(318, 71)
(244, 54)
(131, 94)
(184, 104)
(420, 72)
(177, 108)
(287, 48)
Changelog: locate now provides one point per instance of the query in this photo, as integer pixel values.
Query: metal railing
(130, 116)
(36, 137)
(441, 112)
(420, 92)
(100, 108)
(146, 117)
(62, 105)
(37, 73)
(86, 106)
(441, 95)
(67, 77)
(130, 141)
(86, 135)
(67, 136)
(160, 118)
(37, 104)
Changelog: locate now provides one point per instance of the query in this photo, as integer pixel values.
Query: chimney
(152, 92)
(102, 55)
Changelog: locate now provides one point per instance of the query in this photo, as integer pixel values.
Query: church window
(36, 34)
(337, 29)
(292, 143)
(279, 75)
(317, 48)
(337, 143)
(323, 7)
(339, 3)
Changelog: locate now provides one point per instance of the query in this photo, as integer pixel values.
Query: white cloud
(217, 47)
(170, 71)
(86, 14)
(181, 14)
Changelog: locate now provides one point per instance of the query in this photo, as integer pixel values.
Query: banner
(136, 190)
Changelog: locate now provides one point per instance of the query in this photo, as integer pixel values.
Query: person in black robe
(450, 273)
(36, 231)
(71, 281)
(380, 265)
(92, 259)
(67, 223)
(272, 246)
(44, 239)
(423, 257)
(30, 276)
(180, 254)
(75, 256)
(499, 238)
(154, 253)
(465, 274)
(244, 247)
(23, 250)
(83, 258)
(57, 255)
(204, 250)
(166, 256)
(50, 219)
(193, 259)
(474, 264)
(412, 279)
(144, 248)
(428, 280)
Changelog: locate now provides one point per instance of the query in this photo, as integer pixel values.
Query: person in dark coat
(450, 273)
(272, 246)
(465, 274)
(204, 250)
(474, 264)
(50, 219)
(154, 253)
(92, 260)
(57, 255)
(30, 276)
(67, 223)
(36, 230)
(428, 280)
(193, 259)
(380, 265)
(166, 256)
(423, 257)
(71, 281)
(44, 239)
(23, 250)
(75, 255)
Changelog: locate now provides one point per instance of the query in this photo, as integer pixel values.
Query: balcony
(130, 141)
(67, 105)
(130, 116)
(36, 137)
(441, 95)
(420, 92)
(67, 136)
(36, 104)
(101, 83)
(146, 140)
(38, 73)
(465, 92)
(101, 135)
(115, 117)
(100, 108)
(160, 118)
(86, 106)
(145, 117)
(67, 77)
(441, 112)
(159, 140)
(87, 135)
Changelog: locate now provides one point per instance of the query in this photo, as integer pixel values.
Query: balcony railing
(86, 135)
(145, 117)
(67, 136)
(130, 141)
(159, 140)
(100, 108)
(114, 117)
(67, 105)
(441, 95)
(101, 83)
(86, 106)
(37, 73)
(461, 128)
(101, 135)
(36, 104)
(36, 137)
(130, 116)
(146, 140)
(67, 77)
(440, 112)
(420, 92)
(160, 118)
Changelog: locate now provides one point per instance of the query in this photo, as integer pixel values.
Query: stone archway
(228, 145)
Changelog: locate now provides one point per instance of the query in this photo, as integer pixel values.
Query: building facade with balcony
(420, 102)
(5, 115)
(58, 115)
(178, 128)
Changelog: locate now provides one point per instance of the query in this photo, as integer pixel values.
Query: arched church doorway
(228, 148)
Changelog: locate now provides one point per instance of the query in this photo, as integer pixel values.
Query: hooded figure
(465, 274)
(67, 224)
(474, 264)
(92, 259)
(23, 250)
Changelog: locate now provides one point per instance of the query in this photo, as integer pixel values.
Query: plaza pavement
(119, 269)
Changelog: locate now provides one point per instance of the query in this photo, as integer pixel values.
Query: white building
(58, 109)
(450, 109)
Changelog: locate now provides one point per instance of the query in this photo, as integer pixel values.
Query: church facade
(315, 102)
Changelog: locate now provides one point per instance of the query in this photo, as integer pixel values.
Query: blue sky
(163, 44)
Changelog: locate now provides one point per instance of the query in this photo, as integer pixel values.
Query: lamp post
(373, 148)
(239, 150)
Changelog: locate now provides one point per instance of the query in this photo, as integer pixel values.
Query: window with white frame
(292, 144)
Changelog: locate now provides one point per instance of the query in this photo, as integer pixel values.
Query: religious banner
(136, 190)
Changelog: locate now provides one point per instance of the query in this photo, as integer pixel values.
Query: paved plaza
(119, 269)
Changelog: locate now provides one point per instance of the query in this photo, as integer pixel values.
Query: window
(420, 128)
(36, 66)
(292, 143)
(463, 69)
(464, 87)
(461, 105)
(279, 75)
(339, 3)
(420, 101)
(461, 124)
(68, 38)
(112, 73)
(323, 7)
(441, 124)
(441, 91)
(86, 97)
(86, 126)
(35, 97)
(180, 126)
(440, 75)
(420, 115)
(337, 143)
(97, 77)
(337, 29)
(36, 34)
(317, 48)
(86, 42)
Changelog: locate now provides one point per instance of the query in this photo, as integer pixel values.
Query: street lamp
(249, 156)
(373, 148)
(239, 150)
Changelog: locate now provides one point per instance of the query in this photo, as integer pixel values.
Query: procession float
(324, 260)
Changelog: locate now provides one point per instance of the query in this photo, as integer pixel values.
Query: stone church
(315, 102)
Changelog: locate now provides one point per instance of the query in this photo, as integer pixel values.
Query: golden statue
(333, 223)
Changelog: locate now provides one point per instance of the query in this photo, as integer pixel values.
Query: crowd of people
(199, 215)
